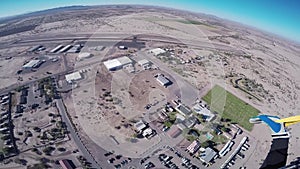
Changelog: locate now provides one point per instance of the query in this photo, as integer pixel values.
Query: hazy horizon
(278, 17)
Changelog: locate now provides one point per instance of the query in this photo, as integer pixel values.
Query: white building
(31, 64)
(57, 48)
(207, 155)
(157, 51)
(118, 63)
(163, 80)
(140, 126)
(84, 55)
(65, 49)
(70, 78)
(200, 109)
(145, 64)
(147, 132)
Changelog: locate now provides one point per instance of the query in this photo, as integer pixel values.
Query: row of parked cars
(166, 161)
(185, 162)
(111, 160)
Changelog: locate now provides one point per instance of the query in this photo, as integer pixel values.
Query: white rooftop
(140, 125)
(116, 63)
(204, 111)
(147, 131)
(143, 62)
(84, 55)
(157, 51)
(31, 63)
(124, 60)
(73, 77)
(111, 64)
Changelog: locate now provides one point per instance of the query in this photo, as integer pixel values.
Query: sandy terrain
(227, 50)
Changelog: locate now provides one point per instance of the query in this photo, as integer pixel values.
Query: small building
(147, 132)
(84, 55)
(208, 155)
(56, 49)
(216, 128)
(122, 47)
(179, 118)
(145, 64)
(207, 114)
(19, 109)
(70, 78)
(157, 51)
(140, 126)
(183, 110)
(67, 164)
(75, 49)
(193, 147)
(35, 48)
(162, 80)
(118, 63)
(30, 64)
(23, 99)
(163, 116)
(199, 126)
(190, 121)
(174, 131)
(24, 92)
(65, 49)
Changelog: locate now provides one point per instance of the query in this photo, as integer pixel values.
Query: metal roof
(157, 51)
(116, 63)
(73, 76)
(112, 64)
(208, 155)
(124, 60)
(143, 62)
(31, 63)
(162, 80)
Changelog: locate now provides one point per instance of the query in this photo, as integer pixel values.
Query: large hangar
(118, 63)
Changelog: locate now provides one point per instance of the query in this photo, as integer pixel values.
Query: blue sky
(281, 17)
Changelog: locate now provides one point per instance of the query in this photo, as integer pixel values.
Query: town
(131, 87)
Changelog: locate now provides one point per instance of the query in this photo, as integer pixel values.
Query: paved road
(74, 135)
(99, 37)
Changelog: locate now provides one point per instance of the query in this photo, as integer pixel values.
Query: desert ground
(210, 51)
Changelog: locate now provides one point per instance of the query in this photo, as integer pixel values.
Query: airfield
(143, 66)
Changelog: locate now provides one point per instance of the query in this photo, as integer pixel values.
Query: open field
(230, 107)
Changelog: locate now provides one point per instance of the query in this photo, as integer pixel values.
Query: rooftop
(208, 155)
(143, 62)
(73, 77)
(163, 80)
(31, 63)
(111, 64)
(67, 164)
(192, 148)
(174, 131)
(157, 51)
(124, 60)
(204, 111)
(183, 110)
(117, 63)
(140, 125)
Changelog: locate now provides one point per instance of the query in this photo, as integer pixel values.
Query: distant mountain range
(44, 12)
